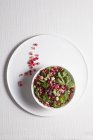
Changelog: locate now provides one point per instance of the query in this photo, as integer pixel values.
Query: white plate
(53, 51)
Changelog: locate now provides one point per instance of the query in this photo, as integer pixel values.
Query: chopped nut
(57, 98)
(45, 79)
(52, 78)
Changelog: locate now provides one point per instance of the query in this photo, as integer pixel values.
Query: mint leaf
(62, 99)
(66, 95)
(41, 80)
(70, 84)
(49, 68)
(45, 85)
(54, 92)
(60, 81)
(45, 98)
(64, 73)
(43, 74)
(59, 75)
(37, 94)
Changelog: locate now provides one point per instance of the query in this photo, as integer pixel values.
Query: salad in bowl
(53, 87)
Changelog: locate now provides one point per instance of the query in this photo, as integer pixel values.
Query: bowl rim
(32, 90)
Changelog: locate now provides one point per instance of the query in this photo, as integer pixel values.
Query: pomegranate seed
(56, 86)
(31, 67)
(31, 57)
(30, 72)
(30, 53)
(34, 70)
(35, 44)
(26, 73)
(36, 55)
(37, 63)
(36, 58)
(20, 74)
(63, 87)
(20, 83)
(33, 48)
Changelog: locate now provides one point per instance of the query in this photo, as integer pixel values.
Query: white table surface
(20, 19)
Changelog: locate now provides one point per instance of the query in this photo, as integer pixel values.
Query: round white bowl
(36, 99)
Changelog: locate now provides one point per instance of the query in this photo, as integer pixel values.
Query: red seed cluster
(32, 62)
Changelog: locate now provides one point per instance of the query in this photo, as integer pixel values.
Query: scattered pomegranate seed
(30, 72)
(20, 74)
(34, 70)
(36, 55)
(35, 44)
(37, 63)
(31, 63)
(26, 73)
(20, 83)
(31, 57)
(30, 53)
(30, 67)
(36, 58)
(33, 48)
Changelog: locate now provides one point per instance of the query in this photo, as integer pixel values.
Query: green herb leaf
(66, 95)
(37, 94)
(61, 78)
(62, 99)
(70, 84)
(54, 92)
(45, 98)
(45, 85)
(59, 75)
(60, 81)
(43, 74)
(41, 80)
(64, 73)
(49, 68)
(68, 79)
